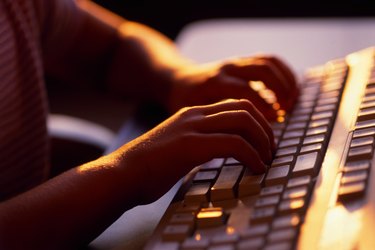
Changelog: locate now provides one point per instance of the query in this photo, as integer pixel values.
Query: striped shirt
(26, 27)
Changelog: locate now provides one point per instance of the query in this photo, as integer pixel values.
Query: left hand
(209, 83)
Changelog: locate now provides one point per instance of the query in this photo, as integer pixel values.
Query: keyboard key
(326, 107)
(167, 246)
(297, 192)
(225, 238)
(282, 161)
(225, 185)
(213, 164)
(317, 130)
(255, 230)
(306, 164)
(282, 235)
(329, 94)
(354, 176)
(296, 125)
(176, 232)
(256, 243)
(362, 141)
(289, 142)
(369, 95)
(300, 117)
(286, 151)
(304, 104)
(250, 184)
(277, 175)
(314, 139)
(360, 153)
(267, 201)
(356, 165)
(261, 215)
(284, 245)
(318, 123)
(352, 190)
(322, 115)
(232, 161)
(366, 114)
(205, 176)
(272, 190)
(364, 132)
(365, 105)
(183, 218)
(312, 147)
(222, 247)
(290, 220)
(291, 206)
(369, 91)
(307, 97)
(210, 217)
(293, 134)
(198, 193)
(194, 244)
(299, 181)
(326, 101)
(365, 124)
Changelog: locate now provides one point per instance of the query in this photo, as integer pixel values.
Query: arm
(71, 209)
(139, 62)
(130, 58)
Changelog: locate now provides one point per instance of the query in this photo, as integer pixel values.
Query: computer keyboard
(324, 155)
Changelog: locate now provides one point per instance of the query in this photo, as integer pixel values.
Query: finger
(261, 70)
(234, 87)
(243, 104)
(225, 145)
(284, 69)
(239, 122)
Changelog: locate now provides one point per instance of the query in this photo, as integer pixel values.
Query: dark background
(170, 18)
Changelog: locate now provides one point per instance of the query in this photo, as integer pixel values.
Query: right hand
(200, 84)
(195, 135)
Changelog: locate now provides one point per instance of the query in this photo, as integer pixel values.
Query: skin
(214, 113)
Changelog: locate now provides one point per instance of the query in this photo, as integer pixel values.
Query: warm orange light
(276, 106)
(257, 85)
(207, 213)
(230, 230)
(198, 237)
(280, 112)
(296, 204)
(295, 220)
(280, 119)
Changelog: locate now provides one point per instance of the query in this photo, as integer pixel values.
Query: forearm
(69, 210)
(145, 63)
(139, 61)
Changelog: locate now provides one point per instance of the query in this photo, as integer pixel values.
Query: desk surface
(300, 42)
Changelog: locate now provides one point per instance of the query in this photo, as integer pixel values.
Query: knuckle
(248, 105)
(244, 115)
(188, 112)
(227, 67)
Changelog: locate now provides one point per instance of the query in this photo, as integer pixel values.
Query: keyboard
(314, 195)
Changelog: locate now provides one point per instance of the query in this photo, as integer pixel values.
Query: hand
(195, 135)
(204, 84)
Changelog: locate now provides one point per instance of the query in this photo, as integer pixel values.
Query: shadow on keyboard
(314, 186)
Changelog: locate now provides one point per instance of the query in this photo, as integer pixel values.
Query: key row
(355, 173)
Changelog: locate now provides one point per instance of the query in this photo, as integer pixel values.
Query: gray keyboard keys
(250, 184)
(225, 185)
(306, 164)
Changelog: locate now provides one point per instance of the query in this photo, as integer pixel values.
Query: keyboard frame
(317, 230)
